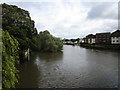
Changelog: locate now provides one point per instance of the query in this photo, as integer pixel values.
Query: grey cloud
(97, 11)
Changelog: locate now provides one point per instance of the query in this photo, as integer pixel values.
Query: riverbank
(106, 47)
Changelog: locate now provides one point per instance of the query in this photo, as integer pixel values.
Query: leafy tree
(66, 40)
(73, 40)
(9, 58)
(35, 43)
(19, 24)
(50, 43)
(19, 31)
(78, 41)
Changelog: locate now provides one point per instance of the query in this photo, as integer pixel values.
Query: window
(104, 41)
(117, 41)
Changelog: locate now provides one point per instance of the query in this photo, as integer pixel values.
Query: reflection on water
(50, 57)
(73, 68)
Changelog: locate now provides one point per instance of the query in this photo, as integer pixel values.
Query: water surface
(74, 67)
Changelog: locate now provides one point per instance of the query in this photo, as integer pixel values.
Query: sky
(72, 19)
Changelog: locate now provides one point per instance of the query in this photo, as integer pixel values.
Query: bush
(50, 43)
(9, 58)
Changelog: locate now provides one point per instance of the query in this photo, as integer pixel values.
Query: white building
(81, 40)
(90, 39)
(115, 37)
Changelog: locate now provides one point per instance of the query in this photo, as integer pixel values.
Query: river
(74, 67)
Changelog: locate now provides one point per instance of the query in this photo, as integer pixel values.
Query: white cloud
(72, 19)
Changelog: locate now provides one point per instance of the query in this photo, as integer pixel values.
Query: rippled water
(74, 67)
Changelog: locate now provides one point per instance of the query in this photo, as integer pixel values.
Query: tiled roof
(116, 33)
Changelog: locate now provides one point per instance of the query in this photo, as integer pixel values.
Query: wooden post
(28, 54)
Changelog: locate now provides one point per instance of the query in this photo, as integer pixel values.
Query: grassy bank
(101, 46)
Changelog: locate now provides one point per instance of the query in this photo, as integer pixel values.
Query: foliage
(66, 40)
(71, 40)
(19, 31)
(9, 57)
(19, 24)
(0, 60)
(50, 43)
(78, 41)
(35, 43)
(101, 46)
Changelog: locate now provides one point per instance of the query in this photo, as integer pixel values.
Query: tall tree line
(19, 34)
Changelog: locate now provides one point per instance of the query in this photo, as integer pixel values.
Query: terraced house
(115, 37)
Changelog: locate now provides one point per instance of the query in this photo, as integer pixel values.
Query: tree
(9, 58)
(19, 24)
(50, 43)
(19, 34)
(66, 40)
(73, 41)
(78, 40)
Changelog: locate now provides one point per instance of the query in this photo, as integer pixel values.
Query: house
(103, 38)
(84, 40)
(90, 39)
(81, 40)
(115, 37)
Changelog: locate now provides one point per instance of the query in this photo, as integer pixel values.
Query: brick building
(103, 38)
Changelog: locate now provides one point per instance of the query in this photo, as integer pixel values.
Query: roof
(84, 38)
(103, 33)
(90, 36)
(116, 33)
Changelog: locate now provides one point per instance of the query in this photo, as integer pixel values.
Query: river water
(74, 67)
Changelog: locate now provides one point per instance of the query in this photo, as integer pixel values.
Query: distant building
(81, 40)
(90, 39)
(84, 40)
(103, 38)
(115, 37)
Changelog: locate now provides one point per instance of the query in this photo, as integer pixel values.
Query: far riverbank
(101, 46)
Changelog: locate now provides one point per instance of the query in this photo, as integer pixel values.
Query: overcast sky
(66, 19)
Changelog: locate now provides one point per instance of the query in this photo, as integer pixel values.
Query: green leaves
(19, 24)
(20, 34)
(50, 43)
(9, 58)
